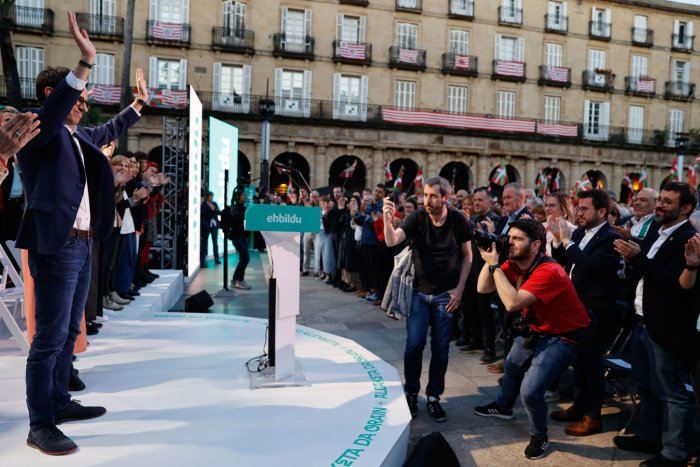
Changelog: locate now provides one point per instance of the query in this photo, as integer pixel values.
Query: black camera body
(484, 240)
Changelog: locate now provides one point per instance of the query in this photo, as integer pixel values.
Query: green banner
(276, 218)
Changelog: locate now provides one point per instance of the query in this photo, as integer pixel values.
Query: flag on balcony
(675, 174)
(541, 182)
(398, 184)
(645, 85)
(510, 68)
(558, 74)
(387, 171)
(643, 175)
(500, 175)
(104, 94)
(557, 129)
(583, 185)
(462, 61)
(408, 56)
(474, 122)
(352, 51)
(418, 182)
(169, 98)
(349, 170)
(167, 31)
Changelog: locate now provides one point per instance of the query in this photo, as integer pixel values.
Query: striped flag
(646, 85)
(398, 184)
(169, 98)
(557, 129)
(352, 51)
(290, 189)
(418, 182)
(500, 175)
(104, 94)
(470, 122)
(643, 175)
(408, 56)
(387, 171)
(627, 183)
(583, 185)
(349, 170)
(167, 31)
(556, 184)
(692, 177)
(510, 68)
(462, 61)
(541, 182)
(558, 73)
(675, 173)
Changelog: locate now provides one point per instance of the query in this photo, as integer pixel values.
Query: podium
(281, 227)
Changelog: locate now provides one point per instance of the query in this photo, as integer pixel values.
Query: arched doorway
(598, 179)
(458, 174)
(629, 188)
(349, 172)
(551, 180)
(293, 167)
(243, 177)
(496, 183)
(408, 177)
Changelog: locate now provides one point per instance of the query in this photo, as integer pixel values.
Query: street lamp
(681, 145)
(267, 109)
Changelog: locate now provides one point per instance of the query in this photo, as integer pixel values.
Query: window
(292, 92)
(457, 99)
(234, 16)
(350, 28)
(635, 124)
(596, 117)
(103, 72)
(600, 22)
(405, 95)
(638, 66)
(675, 125)
(407, 4)
(511, 11)
(639, 33)
(231, 88)
(462, 7)
(552, 109)
(680, 71)
(349, 97)
(596, 59)
(167, 74)
(170, 11)
(510, 48)
(29, 12)
(102, 16)
(682, 34)
(506, 104)
(459, 42)
(407, 36)
(556, 18)
(553, 54)
(30, 61)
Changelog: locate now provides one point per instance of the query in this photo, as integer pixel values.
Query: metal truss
(173, 251)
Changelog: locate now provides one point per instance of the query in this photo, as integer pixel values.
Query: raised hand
(565, 231)
(554, 227)
(82, 39)
(692, 251)
(141, 85)
(17, 131)
(388, 208)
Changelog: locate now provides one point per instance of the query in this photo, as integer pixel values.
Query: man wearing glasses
(70, 202)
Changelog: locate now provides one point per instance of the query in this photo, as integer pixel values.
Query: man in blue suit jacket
(70, 201)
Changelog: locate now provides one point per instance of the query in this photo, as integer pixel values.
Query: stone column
(530, 173)
(431, 167)
(318, 175)
(482, 170)
(376, 174)
(255, 161)
(616, 182)
(574, 172)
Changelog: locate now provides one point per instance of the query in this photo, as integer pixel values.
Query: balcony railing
(285, 45)
(412, 6)
(461, 9)
(596, 80)
(555, 76)
(599, 30)
(642, 37)
(407, 59)
(682, 43)
(556, 23)
(28, 19)
(355, 2)
(101, 26)
(508, 70)
(640, 85)
(510, 16)
(458, 64)
(233, 40)
(357, 53)
(679, 91)
(162, 33)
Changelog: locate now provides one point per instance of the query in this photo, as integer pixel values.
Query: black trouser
(371, 253)
(115, 254)
(470, 329)
(94, 298)
(695, 368)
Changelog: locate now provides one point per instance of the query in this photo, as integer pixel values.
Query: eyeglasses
(81, 101)
(666, 202)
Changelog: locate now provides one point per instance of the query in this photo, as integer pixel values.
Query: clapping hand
(627, 249)
(554, 227)
(692, 251)
(564, 231)
(16, 131)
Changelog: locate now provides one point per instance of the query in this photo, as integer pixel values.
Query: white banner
(194, 192)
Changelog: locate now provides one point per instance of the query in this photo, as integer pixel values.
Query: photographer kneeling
(553, 324)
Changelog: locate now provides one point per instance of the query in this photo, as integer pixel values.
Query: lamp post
(681, 145)
(267, 109)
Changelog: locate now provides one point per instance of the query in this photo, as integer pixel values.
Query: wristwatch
(493, 268)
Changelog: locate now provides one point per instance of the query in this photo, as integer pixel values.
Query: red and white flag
(418, 182)
(167, 31)
(352, 51)
(558, 74)
(462, 61)
(349, 170)
(408, 56)
(510, 68)
(387, 171)
(646, 85)
(104, 94)
(173, 98)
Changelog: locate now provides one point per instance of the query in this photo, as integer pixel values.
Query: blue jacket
(54, 177)
(369, 236)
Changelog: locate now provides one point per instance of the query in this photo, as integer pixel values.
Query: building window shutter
(363, 29)
(307, 93)
(283, 26)
(563, 10)
(689, 28)
(497, 47)
(339, 26)
(153, 73)
(336, 95)
(608, 17)
(216, 86)
(604, 119)
(153, 10)
(307, 23)
(186, 11)
(520, 49)
(364, 88)
(278, 90)
(183, 74)
(245, 92)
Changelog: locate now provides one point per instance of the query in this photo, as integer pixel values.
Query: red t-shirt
(558, 309)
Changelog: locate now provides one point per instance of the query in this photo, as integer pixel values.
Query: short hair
(533, 230)
(529, 191)
(445, 187)
(484, 189)
(599, 198)
(412, 200)
(514, 186)
(49, 77)
(141, 156)
(325, 198)
(688, 194)
(119, 159)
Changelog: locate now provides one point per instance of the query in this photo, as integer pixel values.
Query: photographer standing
(442, 258)
(553, 325)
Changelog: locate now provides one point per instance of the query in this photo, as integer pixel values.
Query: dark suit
(593, 272)
(659, 343)
(11, 211)
(54, 179)
(209, 228)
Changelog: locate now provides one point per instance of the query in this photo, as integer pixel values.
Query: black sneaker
(74, 411)
(50, 440)
(412, 401)
(492, 410)
(536, 448)
(487, 357)
(436, 411)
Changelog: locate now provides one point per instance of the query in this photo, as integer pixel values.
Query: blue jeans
(127, 264)
(241, 246)
(665, 416)
(529, 372)
(427, 310)
(324, 251)
(61, 284)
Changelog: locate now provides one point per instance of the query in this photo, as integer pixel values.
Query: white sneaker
(110, 305)
(115, 298)
(102, 319)
(241, 285)
(107, 312)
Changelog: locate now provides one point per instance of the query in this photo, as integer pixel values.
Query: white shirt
(638, 225)
(82, 220)
(588, 236)
(127, 220)
(663, 235)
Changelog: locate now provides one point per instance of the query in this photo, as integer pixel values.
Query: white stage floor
(178, 394)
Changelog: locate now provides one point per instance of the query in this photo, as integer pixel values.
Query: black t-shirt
(437, 255)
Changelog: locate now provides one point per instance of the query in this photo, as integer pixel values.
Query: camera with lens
(484, 240)
(521, 327)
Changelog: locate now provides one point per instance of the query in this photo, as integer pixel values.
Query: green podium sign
(275, 218)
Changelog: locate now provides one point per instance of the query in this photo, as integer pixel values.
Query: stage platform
(178, 393)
